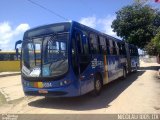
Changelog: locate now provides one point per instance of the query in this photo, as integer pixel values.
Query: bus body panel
(116, 65)
(87, 77)
(134, 57)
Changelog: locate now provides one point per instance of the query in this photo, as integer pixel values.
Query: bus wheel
(97, 85)
(124, 73)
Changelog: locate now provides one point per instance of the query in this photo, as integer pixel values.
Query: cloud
(101, 24)
(8, 35)
(89, 21)
(21, 28)
(106, 23)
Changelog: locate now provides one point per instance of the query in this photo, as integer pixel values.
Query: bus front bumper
(70, 90)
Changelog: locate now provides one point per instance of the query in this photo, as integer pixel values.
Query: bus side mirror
(17, 43)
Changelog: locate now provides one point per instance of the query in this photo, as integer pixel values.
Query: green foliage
(156, 41)
(137, 24)
(153, 48)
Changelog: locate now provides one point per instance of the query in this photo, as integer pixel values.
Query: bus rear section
(132, 57)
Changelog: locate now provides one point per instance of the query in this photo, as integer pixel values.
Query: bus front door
(83, 62)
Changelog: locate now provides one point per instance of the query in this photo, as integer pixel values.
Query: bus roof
(74, 23)
(48, 29)
(46, 25)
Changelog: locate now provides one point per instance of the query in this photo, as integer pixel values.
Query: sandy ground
(138, 93)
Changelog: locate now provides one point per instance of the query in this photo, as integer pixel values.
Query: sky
(17, 16)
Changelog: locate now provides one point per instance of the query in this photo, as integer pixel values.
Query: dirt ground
(138, 93)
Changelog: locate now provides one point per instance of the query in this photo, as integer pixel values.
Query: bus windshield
(45, 56)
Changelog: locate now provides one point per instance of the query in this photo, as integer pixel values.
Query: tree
(136, 23)
(153, 47)
(156, 41)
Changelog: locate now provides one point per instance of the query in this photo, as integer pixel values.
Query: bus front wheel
(97, 85)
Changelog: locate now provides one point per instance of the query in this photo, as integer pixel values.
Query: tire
(97, 85)
(124, 73)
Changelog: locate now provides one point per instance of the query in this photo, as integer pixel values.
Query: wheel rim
(98, 85)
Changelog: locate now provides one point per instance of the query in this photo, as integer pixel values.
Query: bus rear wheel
(97, 85)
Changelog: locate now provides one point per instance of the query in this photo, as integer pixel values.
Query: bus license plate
(43, 91)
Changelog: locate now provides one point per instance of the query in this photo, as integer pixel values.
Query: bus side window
(1, 57)
(79, 43)
(85, 44)
(102, 45)
(11, 57)
(120, 48)
(117, 48)
(94, 44)
(84, 57)
(74, 60)
(136, 50)
(111, 47)
(6, 57)
(114, 48)
(107, 46)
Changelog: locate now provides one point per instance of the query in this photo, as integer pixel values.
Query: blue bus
(70, 59)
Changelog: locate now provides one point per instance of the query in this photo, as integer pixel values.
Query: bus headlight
(65, 82)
